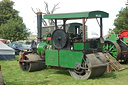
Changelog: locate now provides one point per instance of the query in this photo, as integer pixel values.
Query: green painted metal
(78, 15)
(110, 47)
(41, 47)
(125, 39)
(51, 57)
(87, 46)
(66, 58)
(78, 46)
(69, 58)
(81, 46)
(113, 37)
(99, 45)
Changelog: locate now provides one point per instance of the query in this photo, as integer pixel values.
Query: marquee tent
(6, 53)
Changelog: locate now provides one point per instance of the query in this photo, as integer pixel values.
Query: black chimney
(39, 27)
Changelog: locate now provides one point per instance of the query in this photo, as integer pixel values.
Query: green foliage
(14, 30)
(11, 24)
(6, 11)
(121, 22)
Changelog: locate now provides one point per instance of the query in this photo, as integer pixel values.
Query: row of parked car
(20, 47)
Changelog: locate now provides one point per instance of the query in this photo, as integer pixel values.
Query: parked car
(1, 78)
(19, 47)
(2, 40)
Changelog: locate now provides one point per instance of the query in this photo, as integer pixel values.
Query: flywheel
(59, 39)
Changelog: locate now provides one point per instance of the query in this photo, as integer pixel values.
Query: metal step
(114, 64)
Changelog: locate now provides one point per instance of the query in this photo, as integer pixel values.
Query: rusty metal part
(32, 62)
(83, 29)
(1, 79)
(95, 65)
(108, 68)
(23, 54)
(80, 71)
(29, 61)
(39, 13)
(59, 68)
(0, 67)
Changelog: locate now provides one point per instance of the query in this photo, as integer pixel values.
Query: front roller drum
(94, 65)
(32, 62)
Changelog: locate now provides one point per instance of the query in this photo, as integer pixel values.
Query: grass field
(14, 76)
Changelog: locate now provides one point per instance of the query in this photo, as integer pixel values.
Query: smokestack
(39, 26)
(126, 3)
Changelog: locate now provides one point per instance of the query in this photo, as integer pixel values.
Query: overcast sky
(110, 6)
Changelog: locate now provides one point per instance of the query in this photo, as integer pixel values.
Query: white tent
(6, 53)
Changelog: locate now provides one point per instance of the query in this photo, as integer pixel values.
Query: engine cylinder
(41, 47)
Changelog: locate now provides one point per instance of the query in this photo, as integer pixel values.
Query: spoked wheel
(113, 48)
(94, 65)
(32, 62)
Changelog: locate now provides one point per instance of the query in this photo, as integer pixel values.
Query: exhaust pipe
(39, 32)
(39, 27)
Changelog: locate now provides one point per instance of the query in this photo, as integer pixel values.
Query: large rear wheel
(112, 48)
(94, 65)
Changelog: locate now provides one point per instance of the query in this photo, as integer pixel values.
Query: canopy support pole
(55, 24)
(83, 19)
(101, 28)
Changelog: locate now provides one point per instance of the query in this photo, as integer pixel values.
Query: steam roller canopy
(94, 66)
(59, 38)
(36, 63)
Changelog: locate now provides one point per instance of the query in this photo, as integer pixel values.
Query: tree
(14, 30)
(11, 24)
(50, 21)
(121, 22)
(7, 11)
